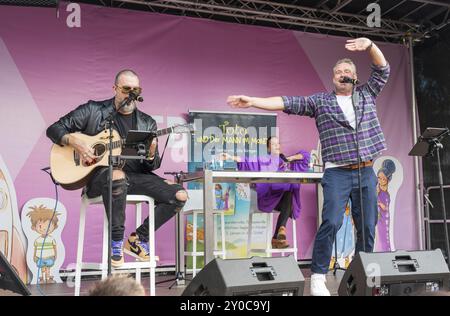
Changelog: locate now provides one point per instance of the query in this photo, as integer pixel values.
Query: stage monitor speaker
(255, 276)
(399, 273)
(9, 280)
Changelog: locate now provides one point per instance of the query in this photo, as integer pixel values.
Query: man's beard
(128, 108)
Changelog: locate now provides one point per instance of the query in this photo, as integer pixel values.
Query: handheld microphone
(349, 80)
(283, 157)
(127, 103)
(135, 97)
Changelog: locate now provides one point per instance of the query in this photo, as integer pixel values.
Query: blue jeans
(340, 185)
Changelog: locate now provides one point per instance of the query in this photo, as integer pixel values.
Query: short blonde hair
(117, 285)
(345, 61)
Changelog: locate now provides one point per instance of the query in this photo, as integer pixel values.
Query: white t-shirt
(345, 102)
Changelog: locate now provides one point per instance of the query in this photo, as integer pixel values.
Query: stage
(62, 289)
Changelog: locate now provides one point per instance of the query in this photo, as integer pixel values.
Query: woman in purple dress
(283, 197)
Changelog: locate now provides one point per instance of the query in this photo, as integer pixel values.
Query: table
(209, 178)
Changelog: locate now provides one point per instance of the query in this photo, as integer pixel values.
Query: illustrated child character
(384, 199)
(345, 240)
(220, 203)
(43, 221)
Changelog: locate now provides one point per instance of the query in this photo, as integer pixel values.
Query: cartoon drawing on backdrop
(5, 220)
(242, 191)
(12, 239)
(190, 230)
(43, 228)
(218, 192)
(345, 239)
(224, 194)
(390, 176)
(226, 198)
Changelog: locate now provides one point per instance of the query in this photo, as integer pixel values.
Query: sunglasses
(127, 89)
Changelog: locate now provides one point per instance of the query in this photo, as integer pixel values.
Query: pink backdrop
(47, 69)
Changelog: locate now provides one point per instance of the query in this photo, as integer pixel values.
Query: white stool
(268, 250)
(136, 200)
(194, 207)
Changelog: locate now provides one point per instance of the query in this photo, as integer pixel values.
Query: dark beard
(129, 108)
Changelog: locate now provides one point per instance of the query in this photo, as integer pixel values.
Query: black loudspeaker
(399, 273)
(9, 280)
(279, 276)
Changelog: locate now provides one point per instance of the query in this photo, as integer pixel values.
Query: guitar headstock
(181, 129)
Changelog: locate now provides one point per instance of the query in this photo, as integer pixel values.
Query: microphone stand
(110, 121)
(359, 167)
(428, 143)
(437, 145)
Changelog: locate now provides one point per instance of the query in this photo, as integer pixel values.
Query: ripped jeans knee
(119, 187)
(179, 204)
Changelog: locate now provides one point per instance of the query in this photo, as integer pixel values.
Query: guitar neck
(164, 131)
(115, 144)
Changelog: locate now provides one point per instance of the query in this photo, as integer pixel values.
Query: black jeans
(166, 203)
(285, 209)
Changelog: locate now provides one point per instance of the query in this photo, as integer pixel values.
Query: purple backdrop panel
(48, 69)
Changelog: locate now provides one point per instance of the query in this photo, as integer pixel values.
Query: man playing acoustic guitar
(135, 177)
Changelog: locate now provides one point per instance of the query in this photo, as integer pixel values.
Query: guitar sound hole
(99, 149)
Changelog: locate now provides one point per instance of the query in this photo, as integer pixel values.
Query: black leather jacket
(90, 119)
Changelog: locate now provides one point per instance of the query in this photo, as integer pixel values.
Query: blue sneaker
(117, 253)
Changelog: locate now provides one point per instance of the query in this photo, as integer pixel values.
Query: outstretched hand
(359, 44)
(239, 101)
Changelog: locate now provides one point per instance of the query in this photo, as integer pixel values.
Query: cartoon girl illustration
(345, 241)
(44, 223)
(384, 200)
(226, 199)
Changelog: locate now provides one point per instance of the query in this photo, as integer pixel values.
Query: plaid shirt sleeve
(377, 80)
(300, 105)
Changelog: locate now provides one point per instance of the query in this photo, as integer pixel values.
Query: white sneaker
(318, 287)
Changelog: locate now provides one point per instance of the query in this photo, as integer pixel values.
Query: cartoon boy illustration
(44, 222)
(384, 199)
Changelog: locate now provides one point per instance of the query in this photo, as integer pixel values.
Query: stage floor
(62, 289)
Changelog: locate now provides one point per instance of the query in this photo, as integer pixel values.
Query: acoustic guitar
(72, 173)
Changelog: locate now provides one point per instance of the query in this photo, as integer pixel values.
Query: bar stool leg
(105, 248)
(222, 223)
(249, 236)
(294, 237)
(138, 222)
(80, 247)
(151, 241)
(194, 244)
(269, 234)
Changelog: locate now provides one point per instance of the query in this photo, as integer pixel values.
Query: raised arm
(380, 68)
(365, 44)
